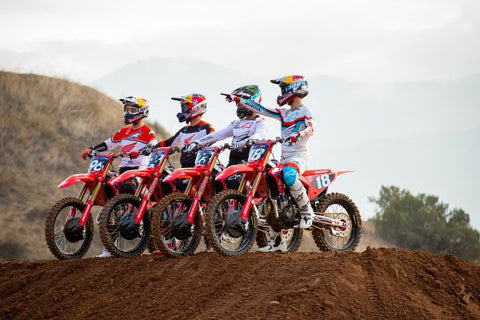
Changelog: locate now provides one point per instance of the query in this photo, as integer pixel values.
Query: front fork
(249, 200)
(196, 200)
(146, 199)
(72, 211)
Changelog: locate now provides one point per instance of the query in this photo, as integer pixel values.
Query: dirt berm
(374, 284)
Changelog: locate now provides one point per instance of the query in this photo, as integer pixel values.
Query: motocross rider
(296, 128)
(248, 126)
(132, 138)
(193, 107)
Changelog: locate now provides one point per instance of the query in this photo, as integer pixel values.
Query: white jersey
(297, 123)
(239, 130)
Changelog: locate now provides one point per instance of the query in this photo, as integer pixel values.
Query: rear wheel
(63, 234)
(121, 235)
(172, 233)
(341, 207)
(225, 230)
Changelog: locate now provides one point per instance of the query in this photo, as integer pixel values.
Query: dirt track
(375, 284)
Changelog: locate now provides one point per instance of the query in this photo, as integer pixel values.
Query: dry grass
(45, 123)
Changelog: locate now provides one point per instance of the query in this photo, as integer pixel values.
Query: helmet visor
(185, 107)
(131, 110)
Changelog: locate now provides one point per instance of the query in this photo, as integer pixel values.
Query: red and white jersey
(129, 140)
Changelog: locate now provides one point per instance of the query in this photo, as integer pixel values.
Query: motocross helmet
(192, 105)
(134, 109)
(250, 92)
(291, 86)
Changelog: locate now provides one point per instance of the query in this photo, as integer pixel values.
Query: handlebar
(95, 153)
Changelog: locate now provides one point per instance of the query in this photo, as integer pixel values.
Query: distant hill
(45, 123)
(423, 136)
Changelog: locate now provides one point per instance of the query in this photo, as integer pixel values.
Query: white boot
(299, 193)
(105, 254)
(275, 242)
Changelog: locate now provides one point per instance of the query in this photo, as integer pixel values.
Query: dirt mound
(375, 284)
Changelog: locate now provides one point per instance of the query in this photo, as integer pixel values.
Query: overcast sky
(363, 41)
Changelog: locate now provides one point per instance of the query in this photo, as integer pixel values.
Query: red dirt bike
(125, 221)
(69, 224)
(178, 219)
(232, 216)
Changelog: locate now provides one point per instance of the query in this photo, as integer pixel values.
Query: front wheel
(172, 233)
(121, 235)
(229, 235)
(341, 207)
(65, 238)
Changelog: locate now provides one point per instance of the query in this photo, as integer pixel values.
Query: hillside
(374, 284)
(45, 124)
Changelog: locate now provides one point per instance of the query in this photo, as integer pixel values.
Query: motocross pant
(294, 165)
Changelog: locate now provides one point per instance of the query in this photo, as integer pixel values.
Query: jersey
(129, 140)
(297, 122)
(185, 136)
(239, 129)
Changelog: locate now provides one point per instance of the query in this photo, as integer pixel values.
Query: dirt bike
(69, 224)
(177, 225)
(232, 216)
(125, 221)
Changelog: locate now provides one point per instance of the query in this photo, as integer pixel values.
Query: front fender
(237, 168)
(144, 174)
(76, 178)
(182, 173)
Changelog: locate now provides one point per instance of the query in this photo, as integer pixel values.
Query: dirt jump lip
(371, 285)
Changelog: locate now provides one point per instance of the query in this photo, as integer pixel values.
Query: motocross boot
(105, 254)
(275, 242)
(299, 193)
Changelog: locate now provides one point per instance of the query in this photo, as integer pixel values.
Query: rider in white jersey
(249, 126)
(296, 128)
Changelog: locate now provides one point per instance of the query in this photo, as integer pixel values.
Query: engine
(287, 215)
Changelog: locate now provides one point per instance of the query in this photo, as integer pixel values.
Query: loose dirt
(374, 284)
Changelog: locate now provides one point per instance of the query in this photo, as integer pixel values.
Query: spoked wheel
(120, 233)
(66, 239)
(292, 237)
(341, 207)
(225, 230)
(172, 233)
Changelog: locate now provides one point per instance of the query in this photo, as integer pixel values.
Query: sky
(375, 41)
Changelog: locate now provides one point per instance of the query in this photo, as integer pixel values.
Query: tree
(422, 222)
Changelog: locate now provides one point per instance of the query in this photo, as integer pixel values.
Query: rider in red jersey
(135, 136)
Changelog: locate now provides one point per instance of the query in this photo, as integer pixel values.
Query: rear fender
(182, 173)
(144, 174)
(76, 178)
(317, 181)
(237, 168)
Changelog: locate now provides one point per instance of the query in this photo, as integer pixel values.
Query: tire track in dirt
(372, 288)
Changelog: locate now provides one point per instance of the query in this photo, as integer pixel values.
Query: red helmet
(192, 106)
(291, 86)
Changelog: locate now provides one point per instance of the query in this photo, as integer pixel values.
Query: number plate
(204, 157)
(97, 164)
(257, 152)
(155, 159)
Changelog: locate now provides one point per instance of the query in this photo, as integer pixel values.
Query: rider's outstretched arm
(255, 107)
(172, 141)
(216, 136)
